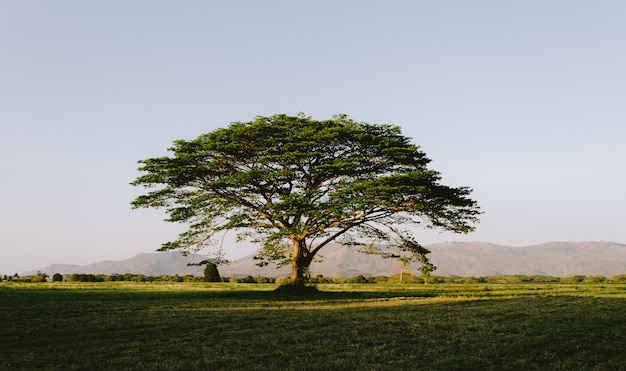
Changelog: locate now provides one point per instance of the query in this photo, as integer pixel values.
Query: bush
(545, 279)
(113, 277)
(39, 277)
(261, 279)
(621, 278)
(321, 279)
(503, 279)
(211, 274)
(359, 279)
(248, 279)
(573, 279)
(406, 278)
(456, 279)
(591, 279)
(381, 279)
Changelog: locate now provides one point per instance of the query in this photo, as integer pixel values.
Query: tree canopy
(295, 184)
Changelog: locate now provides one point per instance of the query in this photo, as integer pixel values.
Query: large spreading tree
(294, 185)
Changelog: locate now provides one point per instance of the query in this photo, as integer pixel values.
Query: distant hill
(149, 264)
(467, 259)
(451, 258)
(558, 259)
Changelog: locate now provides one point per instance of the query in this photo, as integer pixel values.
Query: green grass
(150, 326)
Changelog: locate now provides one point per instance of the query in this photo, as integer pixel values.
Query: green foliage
(360, 279)
(248, 279)
(596, 278)
(85, 277)
(39, 277)
(407, 278)
(211, 274)
(295, 184)
(618, 278)
(573, 279)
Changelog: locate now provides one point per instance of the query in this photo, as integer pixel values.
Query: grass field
(224, 326)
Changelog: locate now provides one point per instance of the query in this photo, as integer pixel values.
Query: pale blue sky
(523, 101)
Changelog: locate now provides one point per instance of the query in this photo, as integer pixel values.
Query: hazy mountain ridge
(451, 258)
(551, 258)
(149, 264)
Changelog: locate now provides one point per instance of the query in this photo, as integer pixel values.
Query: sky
(524, 102)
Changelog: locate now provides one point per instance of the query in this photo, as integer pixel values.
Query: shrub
(456, 279)
(211, 274)
(406, 278)
(359, 279)
(321, 279)
(39, 277)
(597, 278)
(261, 279)
(503, 279)
(544, 279)
(248, 279)
(621, 278)
(573, 279)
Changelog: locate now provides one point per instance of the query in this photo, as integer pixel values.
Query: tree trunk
(300, 261)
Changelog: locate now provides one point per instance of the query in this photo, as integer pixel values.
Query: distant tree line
(213, 276)
(426, 279)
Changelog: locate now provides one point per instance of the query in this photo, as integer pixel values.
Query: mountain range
(465, 259)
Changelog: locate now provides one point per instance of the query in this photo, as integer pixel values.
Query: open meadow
(230, 326)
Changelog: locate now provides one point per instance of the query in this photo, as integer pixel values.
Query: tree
(211, 274)
(295, 185)
(57, 277)
(39, 277)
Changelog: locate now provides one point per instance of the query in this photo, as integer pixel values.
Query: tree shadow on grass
(314, 294)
